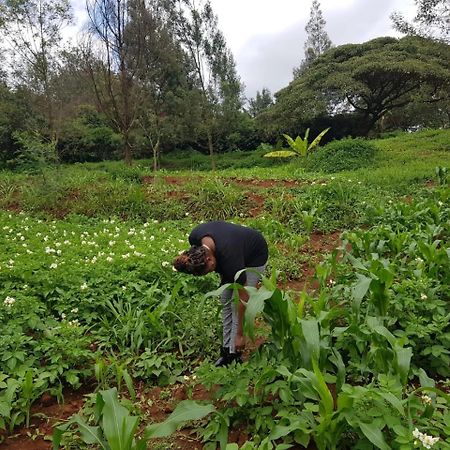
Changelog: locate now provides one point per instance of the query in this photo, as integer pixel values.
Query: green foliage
(185, 411)
(299, 146)
(346, 154)
(88, 138)
(36, 153)
(373, 78)
(114, 427)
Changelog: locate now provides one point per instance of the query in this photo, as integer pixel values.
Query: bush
(337, 156)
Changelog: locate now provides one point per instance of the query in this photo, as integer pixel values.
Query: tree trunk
(156, 156)
(211, 149)
(127, 150)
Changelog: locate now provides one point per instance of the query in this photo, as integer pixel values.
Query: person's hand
(239, 342)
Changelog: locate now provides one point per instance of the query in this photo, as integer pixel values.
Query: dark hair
(192, 261)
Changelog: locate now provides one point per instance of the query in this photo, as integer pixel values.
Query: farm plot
(359, 360)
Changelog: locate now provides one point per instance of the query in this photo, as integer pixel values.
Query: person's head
(198, 260)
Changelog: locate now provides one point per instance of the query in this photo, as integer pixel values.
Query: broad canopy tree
(368, 80)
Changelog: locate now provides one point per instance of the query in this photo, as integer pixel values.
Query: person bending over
(227, 248)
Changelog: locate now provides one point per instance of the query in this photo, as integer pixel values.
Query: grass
(123, 226)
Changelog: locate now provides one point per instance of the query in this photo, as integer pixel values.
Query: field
(348, 336)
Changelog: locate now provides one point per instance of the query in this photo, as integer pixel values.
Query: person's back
(227, 248)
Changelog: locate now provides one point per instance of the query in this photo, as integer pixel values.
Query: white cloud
(267, 36)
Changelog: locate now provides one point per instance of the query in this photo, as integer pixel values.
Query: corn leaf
(255, 306)
(185, 411)
(119, 427)
(90, 435)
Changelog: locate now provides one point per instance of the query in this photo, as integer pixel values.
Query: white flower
(74, 310)
(83, 286)
(109, 259)
(126, 256)
(186, 214)
(73, 323)
(426, 441)
(145, 224)
(152, 238)
(165, 264)
(53, 266)
(111, 243)
(423, 296)
(426, 399)
(63, 316)
(9, 301)
(49, 250)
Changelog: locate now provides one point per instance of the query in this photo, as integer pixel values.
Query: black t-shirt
(237, 247)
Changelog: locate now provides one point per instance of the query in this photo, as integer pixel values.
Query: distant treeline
(152, 77)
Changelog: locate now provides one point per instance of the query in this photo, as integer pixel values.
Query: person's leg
(227, 316)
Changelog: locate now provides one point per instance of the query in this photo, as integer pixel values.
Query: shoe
(224, 356)
(227, 358)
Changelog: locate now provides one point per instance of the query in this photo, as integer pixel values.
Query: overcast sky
(267, 36)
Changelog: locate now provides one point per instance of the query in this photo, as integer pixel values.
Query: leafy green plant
(114, 428)
(345, 154)
(299, 146)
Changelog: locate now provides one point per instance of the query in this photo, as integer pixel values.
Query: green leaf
(361, 287)
(394, 401)
(374, 434)
(325, 395)
(280, 154)
(403, 356)
(119, 427)
(185, 411)
(311, 334)
(255, 306)
(58, 432)
(90, 435)
(317, 140)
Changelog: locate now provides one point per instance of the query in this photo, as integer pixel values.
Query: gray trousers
(229, 310)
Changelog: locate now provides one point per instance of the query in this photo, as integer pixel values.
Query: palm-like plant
(299, 146)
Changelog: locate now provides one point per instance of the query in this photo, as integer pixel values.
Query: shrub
(337, 156)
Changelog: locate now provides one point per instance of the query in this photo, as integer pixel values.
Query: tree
(32, 31)
(213, 66)
(260, 103)
(114, 67)
(368, 80)
(317, 40)
(163, 79)
(432, 20)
